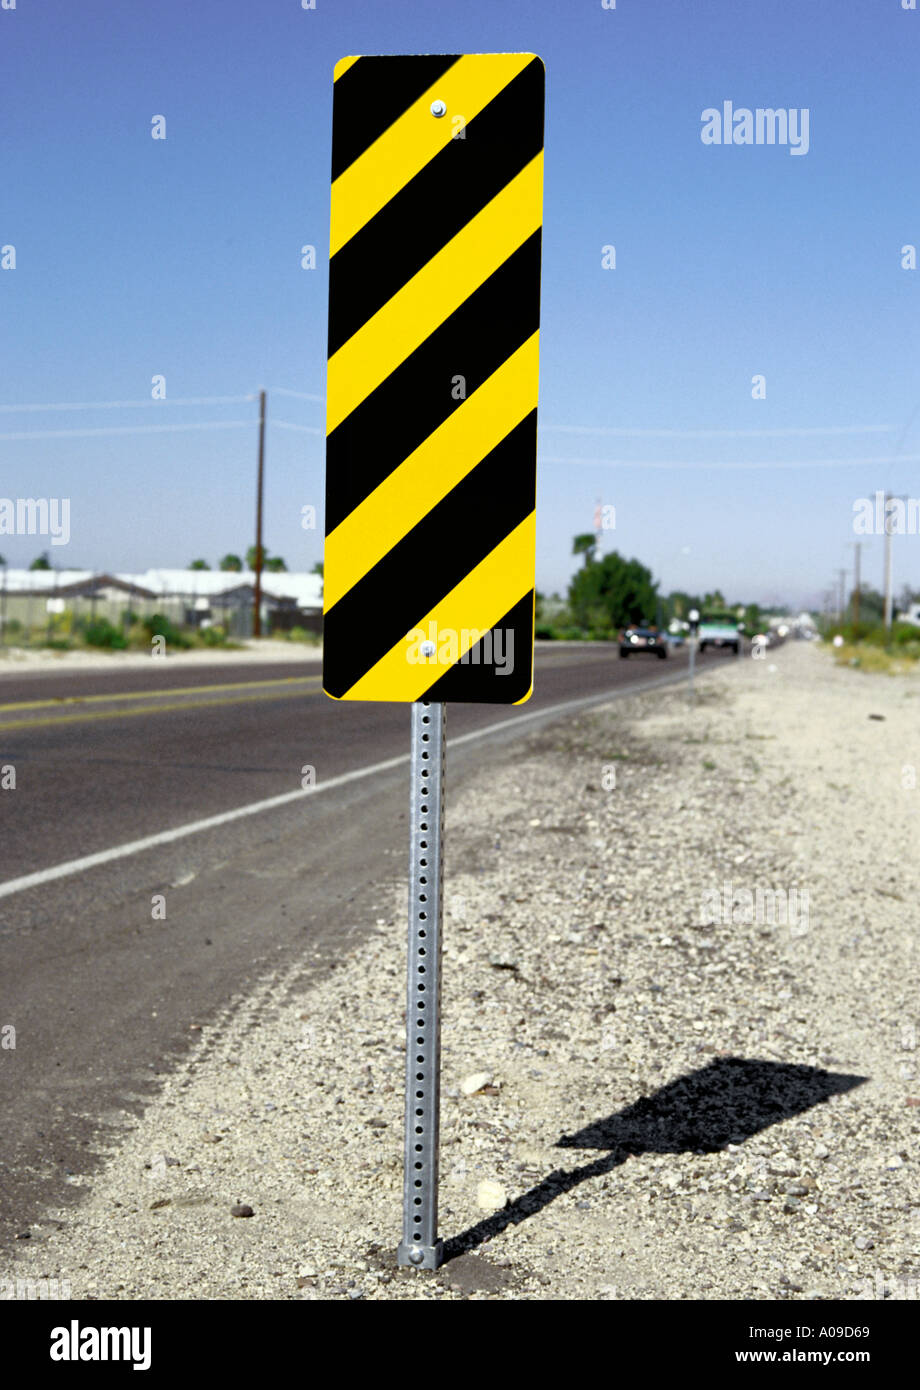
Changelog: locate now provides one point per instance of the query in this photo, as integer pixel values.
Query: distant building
(202, 597)
(199, 598)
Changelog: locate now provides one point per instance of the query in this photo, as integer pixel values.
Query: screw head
(427, 649)
(438, 108)
(416, 1256)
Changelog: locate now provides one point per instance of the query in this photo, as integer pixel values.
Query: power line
(704, 464)
(302, 429)
(127, 429)
(629, 432)
(124, 405)
(300, 395)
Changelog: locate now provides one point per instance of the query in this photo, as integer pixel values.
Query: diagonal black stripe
(418, 396)
(432, 208)
(442, 549)
(499, 669)
(374, 93)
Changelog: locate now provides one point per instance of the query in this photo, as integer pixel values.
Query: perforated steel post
(420, 1245)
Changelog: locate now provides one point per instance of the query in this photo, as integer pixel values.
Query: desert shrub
(102, 633)
(158, 625)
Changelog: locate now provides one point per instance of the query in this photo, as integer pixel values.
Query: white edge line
(165, 837)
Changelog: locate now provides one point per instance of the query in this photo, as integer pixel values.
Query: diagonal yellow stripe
(342, 67)
(434, 293)
(430, 472)
(416, 137)
(479, 601)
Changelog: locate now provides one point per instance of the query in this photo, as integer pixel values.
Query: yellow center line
(61, 700)
(153, 709)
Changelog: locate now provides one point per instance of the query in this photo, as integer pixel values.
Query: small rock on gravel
(490, 1195)
(475, 1082)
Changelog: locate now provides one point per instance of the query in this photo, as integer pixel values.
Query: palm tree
(584, 545)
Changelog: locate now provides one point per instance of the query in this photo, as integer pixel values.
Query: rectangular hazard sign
(431, 416)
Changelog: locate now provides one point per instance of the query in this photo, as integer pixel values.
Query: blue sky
(181, 257)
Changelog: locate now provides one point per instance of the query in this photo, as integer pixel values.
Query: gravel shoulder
(680, 1098)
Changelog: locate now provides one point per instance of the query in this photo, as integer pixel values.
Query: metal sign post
(694, 620)
(431, 446)
(420, 1245)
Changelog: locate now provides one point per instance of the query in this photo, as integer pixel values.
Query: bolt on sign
(434, 308)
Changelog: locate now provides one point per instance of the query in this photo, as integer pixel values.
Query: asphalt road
(103, 995)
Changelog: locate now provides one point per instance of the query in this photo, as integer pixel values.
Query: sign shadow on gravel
(727, 1101)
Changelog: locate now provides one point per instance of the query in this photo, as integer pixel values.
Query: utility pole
(887, 564)
(841, 601)
(257, 606)
(856, 579)
(889, 596)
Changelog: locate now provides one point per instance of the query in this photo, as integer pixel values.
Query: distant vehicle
(643, 637)
(720, 630)
(911, 615)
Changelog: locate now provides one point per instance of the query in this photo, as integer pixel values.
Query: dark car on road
(643, 637)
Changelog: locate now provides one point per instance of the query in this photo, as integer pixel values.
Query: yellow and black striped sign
(434, 310)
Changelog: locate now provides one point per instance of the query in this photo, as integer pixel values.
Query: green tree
(678, 604)
(232, 564)
(275, 565)
(199, 565)
(612, 592)
(41, 562)
(252, 556)
(585, 545)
